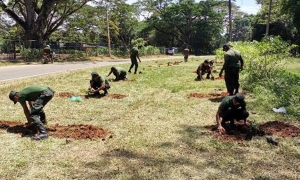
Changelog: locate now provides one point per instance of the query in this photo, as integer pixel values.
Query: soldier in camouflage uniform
(37, 97)
(119, 72)
(233, 63)
(134, 55)
(231, 108)
(205, 67)
(98, 83)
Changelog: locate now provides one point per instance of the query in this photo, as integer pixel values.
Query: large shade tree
(40, 18)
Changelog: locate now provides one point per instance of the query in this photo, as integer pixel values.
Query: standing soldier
(119, 72)
(186, 53)
(98, 83)
(134, 55)
(37, 97)
(233, 63)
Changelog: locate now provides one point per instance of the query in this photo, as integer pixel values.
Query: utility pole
(108, 33)
(269, 17)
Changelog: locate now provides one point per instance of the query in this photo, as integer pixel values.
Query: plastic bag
(280, 110)
(76, 99)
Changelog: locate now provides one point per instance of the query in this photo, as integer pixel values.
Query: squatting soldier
(134, 55)
(47, 50)
(233, 63)
(119, 72)
(37, 97)
(205, 67)
(231, 108)
(98, 83)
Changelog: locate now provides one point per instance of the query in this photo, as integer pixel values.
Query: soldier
(119, 72)
(98, 83)
(231, 108)
(233, 63)
(186, 53)
(134, 55)
(48, 52)
(37, 97)
(203, 68)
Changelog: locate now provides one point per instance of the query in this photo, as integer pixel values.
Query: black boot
(43, 118)
(43, 133)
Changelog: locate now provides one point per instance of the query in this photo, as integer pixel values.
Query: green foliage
(272, 85)
(149, 50)
(99, 51)
(292, 7)
(31, 55)
(120, 52)
(74, 54)
(138, 42)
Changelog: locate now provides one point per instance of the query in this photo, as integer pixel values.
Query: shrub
(31, 55)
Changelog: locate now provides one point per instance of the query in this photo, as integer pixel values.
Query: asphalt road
(26, 71)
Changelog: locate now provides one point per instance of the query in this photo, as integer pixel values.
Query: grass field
(158, 132)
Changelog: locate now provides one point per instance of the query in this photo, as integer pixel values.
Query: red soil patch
(177, 63)
(65, 94)
(280, 128)
(116, 96)
(210, 95)
(74, 131)
(243, 132)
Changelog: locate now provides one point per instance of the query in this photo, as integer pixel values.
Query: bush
(149, 50)
(263, 76)
(31, 55)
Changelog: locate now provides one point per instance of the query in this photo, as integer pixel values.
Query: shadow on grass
(20, 129)
(98, 96)
(216, 99)
(135, 165)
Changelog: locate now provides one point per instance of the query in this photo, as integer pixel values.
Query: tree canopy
(201, 25)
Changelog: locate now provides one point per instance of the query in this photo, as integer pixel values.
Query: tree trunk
(230, 21)
(269, 17)
(108, 33)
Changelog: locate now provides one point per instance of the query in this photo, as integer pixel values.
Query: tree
(280, 23)
(83, 25)
(292, 8)
(40, 18)
(186, 23)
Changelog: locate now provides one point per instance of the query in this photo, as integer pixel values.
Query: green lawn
(159, 133)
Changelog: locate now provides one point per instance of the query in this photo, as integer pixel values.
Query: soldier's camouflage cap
(94, 73)
(11, 96)
(240, 97)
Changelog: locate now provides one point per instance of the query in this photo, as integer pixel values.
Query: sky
(247, 6)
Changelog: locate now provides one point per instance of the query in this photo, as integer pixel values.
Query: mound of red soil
(243, 132)
(210, 95)
(280, 128)
(116, 96)
(74, 131)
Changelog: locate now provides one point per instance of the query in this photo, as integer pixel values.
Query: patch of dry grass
(159, 133)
